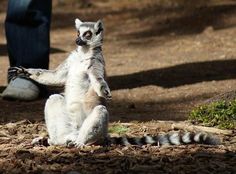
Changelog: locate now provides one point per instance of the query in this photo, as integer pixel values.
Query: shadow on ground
(120, 110)
(178, 75)
(184, 20)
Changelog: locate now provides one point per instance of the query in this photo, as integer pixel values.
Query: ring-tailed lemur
(80, 117)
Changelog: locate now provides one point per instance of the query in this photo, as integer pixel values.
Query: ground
(161, 60)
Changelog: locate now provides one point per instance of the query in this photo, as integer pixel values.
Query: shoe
(20, 88)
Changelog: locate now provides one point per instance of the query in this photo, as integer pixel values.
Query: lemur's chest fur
(79, 90)
(78, 82)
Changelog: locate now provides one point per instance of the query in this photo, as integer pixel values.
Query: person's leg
(27, 28)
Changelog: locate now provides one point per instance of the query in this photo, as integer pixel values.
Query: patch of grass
(220, 114)
(118, 129)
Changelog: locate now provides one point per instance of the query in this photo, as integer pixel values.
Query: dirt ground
(161, 61)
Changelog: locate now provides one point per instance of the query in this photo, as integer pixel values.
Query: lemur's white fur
(80, 115)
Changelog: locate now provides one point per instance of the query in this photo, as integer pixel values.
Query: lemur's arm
(96, 76)
(55, 77)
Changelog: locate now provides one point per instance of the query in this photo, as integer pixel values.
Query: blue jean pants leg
(27, 27)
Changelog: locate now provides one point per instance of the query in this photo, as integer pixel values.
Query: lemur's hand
(35, 74)
(104, 91)
(24, 72)
(14, 72)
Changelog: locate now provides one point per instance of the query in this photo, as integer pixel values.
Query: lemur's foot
(70, 143)
(43, 141)
(79, 145)
(70, 140)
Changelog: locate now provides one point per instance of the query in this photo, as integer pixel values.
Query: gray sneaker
(21, 89)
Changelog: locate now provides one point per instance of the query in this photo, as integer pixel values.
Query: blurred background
(162, 56)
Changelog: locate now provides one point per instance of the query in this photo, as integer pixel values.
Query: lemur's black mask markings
(80, 42)
(87, 36)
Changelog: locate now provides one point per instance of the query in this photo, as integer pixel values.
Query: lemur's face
(89, 33)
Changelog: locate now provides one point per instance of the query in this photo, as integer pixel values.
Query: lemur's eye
(78, 33)
(88, 35)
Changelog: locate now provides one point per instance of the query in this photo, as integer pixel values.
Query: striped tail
(170, 138)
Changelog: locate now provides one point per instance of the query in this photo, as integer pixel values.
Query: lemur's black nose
(80, 42)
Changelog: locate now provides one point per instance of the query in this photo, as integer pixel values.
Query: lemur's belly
(79, 92)
(92, 100)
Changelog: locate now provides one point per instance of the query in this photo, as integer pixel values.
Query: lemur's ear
(99, 27)
(78, 23)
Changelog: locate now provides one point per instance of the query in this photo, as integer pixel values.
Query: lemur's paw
(70, 140)
(35, 76)
(79, 145)
(106, 92)
(43, 141)
(20, 71)
(70, 143)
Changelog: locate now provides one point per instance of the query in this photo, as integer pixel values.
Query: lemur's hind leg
(94, 128)
(57, 120)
